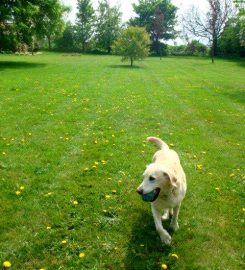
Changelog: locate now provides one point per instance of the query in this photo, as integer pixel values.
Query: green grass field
(73, 132)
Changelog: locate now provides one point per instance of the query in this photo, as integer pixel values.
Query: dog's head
(156, 179)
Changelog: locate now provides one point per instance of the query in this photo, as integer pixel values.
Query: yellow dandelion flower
(113, 136)
(172, 145)
(114, 191)
(243, 209)
(174, 256)
(17, 192)
(82, 255)
(64, 242)
(85, 169)
(94, 167)
(107, 197)
(232, 174)
(48, 228)
(164, 266)
(96, 163)
(22, 188)
(6, 264)
(199, 166)
(217, 189)
(75, 202)
(4, 153)
(42, 269)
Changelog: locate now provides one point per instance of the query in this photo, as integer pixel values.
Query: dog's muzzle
(151, 196)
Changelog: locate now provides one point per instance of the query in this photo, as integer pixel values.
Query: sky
(127, 9)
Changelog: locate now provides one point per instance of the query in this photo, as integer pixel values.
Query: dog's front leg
(174, 221)
(164, 235)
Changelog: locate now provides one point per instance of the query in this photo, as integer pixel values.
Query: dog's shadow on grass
(145, 249)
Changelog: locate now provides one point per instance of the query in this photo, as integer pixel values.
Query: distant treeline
(35, 24)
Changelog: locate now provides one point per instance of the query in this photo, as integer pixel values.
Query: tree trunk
(212, 53)
(160, 50)
(32, 46)
(49, 42)
(214, 47)
(132, 61)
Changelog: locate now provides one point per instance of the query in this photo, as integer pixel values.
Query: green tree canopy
(229, 43)
(133, 44)
(241, 15)
(158, 17)
(22, 21)
(85, 22)
(108, 25)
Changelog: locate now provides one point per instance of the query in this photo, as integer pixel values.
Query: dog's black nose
(140, 191)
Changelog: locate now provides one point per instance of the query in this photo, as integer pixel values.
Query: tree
(211, 25)
(85, 22)
(22, 22)
(158, 27)
(133, 44)
(15, 23)
(67, 42)
(8, 37)
(241, 15)
(196, 48)
(229, 43)
(159, 19)
(108, 25)
(49, 21)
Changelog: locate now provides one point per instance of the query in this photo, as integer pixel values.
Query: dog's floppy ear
(171, 177)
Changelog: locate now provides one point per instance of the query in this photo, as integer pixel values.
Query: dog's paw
(166, 240)
(174, 226)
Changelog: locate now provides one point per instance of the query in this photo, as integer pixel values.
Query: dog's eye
(151, 178)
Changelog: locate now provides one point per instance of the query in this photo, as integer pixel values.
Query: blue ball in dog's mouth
(151, 196)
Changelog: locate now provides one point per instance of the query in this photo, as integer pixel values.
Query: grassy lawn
(73, 132)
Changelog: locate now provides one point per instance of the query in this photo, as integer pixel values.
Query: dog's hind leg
(174, 221)
(166, 214)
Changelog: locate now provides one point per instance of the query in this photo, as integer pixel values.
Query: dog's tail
(158, 142)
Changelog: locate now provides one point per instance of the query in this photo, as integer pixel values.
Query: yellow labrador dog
(164, 185)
